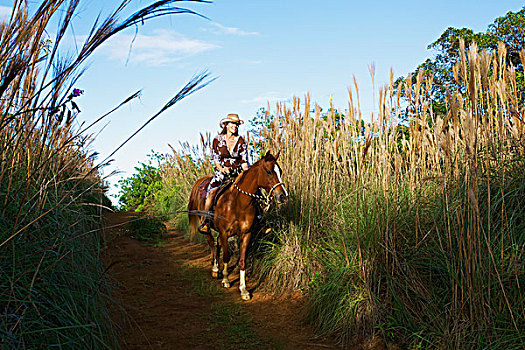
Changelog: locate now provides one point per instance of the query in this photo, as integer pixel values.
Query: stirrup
(205, 225)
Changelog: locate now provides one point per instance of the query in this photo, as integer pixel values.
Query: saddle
(228, 181)
(202, 188)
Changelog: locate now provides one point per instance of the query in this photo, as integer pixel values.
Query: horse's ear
(278, 153)
(268, 154)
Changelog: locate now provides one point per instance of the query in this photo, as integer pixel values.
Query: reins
(264, 200)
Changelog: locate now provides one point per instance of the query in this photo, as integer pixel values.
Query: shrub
(138, 191)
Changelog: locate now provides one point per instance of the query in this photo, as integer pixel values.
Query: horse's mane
(257, 164)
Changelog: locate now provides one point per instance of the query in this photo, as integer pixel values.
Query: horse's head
(270, 177)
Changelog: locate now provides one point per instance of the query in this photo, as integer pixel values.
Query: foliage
(53, 287)
(138, 191)
(262, 121)
(508, 30)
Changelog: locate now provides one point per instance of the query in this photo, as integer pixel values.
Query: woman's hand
(221, 168)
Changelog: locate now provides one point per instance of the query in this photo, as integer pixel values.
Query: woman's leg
(205, 225)
(209, 199)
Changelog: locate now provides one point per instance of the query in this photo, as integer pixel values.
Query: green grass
(237, 327)
(54, 292)
(147, 228)
(406, 300)
(231, 324)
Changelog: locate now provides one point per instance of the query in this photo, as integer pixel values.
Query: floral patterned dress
(226, 158)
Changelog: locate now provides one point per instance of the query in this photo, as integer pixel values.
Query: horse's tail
(195, 203)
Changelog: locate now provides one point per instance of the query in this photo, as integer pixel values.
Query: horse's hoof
(245, 296)
(214, 274)
(226, 284)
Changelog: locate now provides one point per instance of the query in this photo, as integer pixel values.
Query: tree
(509, 29)
(138, 191)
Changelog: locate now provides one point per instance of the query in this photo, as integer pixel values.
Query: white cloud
(270, 97)
(160, 48)
(5, 11)
(220, 29)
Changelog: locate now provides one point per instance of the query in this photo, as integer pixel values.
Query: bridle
(263, 199)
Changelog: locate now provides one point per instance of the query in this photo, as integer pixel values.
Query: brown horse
(235, 212)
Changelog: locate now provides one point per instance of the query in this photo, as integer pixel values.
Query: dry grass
(411, 211)
(179, 173)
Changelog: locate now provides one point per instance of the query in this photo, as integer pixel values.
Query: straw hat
(231, 118)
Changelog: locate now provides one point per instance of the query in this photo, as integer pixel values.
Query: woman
(228, 151)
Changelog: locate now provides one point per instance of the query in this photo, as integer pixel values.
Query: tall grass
(417, 235)
(179, 172)
(53, 290)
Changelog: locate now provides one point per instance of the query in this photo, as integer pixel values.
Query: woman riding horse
(236, 212)
(228, 151)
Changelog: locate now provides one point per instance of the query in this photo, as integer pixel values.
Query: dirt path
(170, 301)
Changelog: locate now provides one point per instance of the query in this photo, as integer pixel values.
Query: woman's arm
(216, 157)
(220, 167)
(243, 152)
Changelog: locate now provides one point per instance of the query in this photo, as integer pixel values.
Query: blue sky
(260, 51)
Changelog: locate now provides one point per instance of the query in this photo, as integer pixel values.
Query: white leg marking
(225, 280)
(215, 268)
(278, 172)
(242, 283)
(242, 286)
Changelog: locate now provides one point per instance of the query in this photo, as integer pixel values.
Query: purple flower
(77, 92)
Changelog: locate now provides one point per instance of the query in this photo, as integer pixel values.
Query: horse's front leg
(245, 295)
(225, 259)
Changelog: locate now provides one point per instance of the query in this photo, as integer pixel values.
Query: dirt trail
(170, 301)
